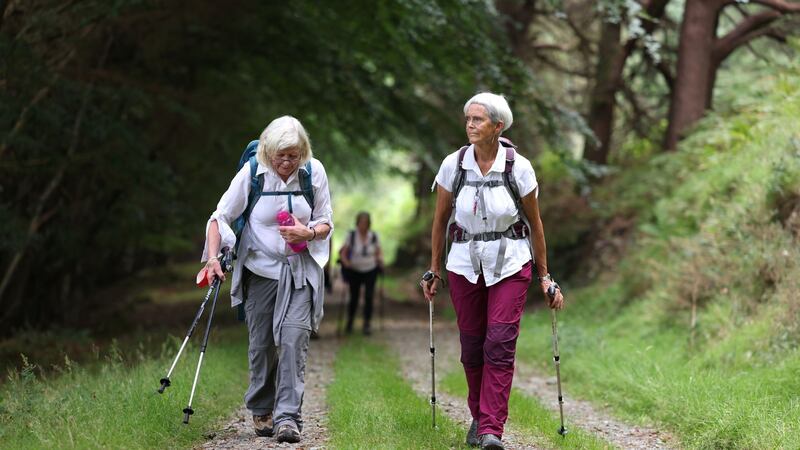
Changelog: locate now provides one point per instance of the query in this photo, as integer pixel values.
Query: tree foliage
(122, 121)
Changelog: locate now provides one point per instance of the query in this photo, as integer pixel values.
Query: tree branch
(39, 214)
(782, 6)
(7, 10)
(517, 21)
(748, 29)
(39, 96)
(639, 112)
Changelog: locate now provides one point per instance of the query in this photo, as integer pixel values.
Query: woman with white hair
(282, 289)
(487, 204)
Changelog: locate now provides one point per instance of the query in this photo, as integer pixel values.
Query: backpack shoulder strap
(306, 186)
(256, 186)
(458, 179)
(508, 176)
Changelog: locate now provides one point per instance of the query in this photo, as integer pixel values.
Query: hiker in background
(282, 290)
(362, 261)
(491, 191)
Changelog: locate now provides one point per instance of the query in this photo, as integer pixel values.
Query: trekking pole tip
(186, 413)
(164, 384)
(562, 431)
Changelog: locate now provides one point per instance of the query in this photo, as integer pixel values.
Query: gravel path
(238, 433)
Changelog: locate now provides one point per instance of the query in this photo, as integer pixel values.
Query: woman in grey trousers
(282, 289)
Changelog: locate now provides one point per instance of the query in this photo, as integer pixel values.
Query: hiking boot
(472, 435)
(491, 442)
(288, 432)
(263, 425)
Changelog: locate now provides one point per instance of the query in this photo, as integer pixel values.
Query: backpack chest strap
(288, 194)
(480, 200)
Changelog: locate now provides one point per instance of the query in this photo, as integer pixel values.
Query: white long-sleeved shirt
(501, 212)
(265, 246)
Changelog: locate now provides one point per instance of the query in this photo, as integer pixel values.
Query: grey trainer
(491, 442)
(288, 432)
(263, 425)
(472, 435)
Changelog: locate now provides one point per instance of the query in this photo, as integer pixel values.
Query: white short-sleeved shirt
(501, 213)
(264, 245)
(363, 254)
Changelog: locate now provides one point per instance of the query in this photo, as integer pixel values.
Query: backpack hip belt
(457, 234)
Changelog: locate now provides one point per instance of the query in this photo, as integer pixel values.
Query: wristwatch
(430, 275)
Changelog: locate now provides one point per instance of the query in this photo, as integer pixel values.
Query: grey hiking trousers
(277, 370)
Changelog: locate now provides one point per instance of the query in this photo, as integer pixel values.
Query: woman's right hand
(214, 270)
(429, 288)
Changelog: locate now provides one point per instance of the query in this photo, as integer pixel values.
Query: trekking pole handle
(552, 289)
(225, 262)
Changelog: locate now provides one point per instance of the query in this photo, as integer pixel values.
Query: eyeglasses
(290, 158)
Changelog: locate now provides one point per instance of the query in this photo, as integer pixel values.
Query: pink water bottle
(285, 219)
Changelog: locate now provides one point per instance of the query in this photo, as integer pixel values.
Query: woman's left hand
(296, 233)
(556, 302)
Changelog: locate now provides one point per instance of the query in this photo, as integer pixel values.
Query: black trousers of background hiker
(356, 280)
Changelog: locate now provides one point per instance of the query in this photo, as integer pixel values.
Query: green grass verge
(528, 415)
(698, 326)
(371, 406)
(114, 404)
(646, 376)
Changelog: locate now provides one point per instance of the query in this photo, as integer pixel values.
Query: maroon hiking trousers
(488, 320)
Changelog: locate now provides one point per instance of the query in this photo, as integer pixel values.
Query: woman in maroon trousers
(489, 193)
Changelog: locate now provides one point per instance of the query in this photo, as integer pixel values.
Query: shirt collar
(469, 161)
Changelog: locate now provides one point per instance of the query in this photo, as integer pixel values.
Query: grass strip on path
(528, 415)
(371, 405)
(116, 405)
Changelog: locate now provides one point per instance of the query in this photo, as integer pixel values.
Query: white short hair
(282, 133)
(496, 106)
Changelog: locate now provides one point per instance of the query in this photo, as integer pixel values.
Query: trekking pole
(165, 383)
(433, 366)
(188, 411)
(216, 285)
(551, 292)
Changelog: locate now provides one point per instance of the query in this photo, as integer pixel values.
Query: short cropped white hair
(282, 133)
(496, 106)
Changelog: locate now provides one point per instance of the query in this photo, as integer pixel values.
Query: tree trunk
(695, 68)
(608, 77)
(611, 58)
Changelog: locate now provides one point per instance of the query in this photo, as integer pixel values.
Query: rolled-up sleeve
(231, 205)
(323, 213)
